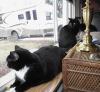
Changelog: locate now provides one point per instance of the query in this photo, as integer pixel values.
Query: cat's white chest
(21, 73)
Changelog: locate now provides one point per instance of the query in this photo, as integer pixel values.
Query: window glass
(30, 24)
(96, 20)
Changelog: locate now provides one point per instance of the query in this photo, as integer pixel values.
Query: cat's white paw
(11, 90)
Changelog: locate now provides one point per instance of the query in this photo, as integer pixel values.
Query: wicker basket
(79, 73)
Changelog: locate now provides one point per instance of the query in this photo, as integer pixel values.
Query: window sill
(7, 78)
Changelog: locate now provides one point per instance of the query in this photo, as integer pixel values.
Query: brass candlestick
(87, 44)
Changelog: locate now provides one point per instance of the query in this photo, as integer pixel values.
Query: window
(34, 15)
(31, 27)
(28, 16)
(49, 2)
(96, 20)
(20, 16)
(48, 16)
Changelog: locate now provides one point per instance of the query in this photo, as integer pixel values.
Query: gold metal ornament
(87, 44)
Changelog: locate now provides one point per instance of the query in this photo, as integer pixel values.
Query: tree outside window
(49, 2)
(59, 8)
(48, 16)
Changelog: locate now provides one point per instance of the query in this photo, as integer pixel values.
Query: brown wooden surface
(49, 86)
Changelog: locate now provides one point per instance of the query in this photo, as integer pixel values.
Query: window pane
(31, 24)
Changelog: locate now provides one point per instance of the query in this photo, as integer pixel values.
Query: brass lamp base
(86, 47)
(87, 44)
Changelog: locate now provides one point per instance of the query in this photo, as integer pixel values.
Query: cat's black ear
(77, 17)
(70, 19)
(15, 56)
(17, 47)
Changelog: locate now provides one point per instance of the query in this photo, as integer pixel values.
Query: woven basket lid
(84, 55)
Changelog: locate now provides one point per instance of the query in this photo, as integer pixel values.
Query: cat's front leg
(22, 87)
(10, 90)
(16, 83)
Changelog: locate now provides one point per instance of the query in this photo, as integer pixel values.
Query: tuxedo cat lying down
(39, 67)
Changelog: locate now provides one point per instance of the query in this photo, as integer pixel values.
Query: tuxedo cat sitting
(34, 68)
